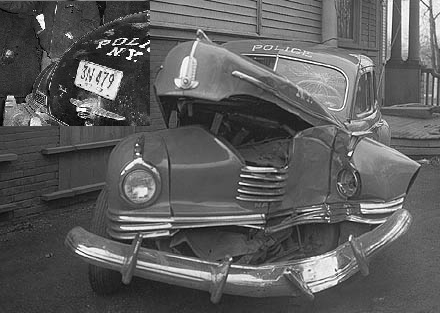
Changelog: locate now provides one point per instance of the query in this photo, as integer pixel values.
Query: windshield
(326, 85)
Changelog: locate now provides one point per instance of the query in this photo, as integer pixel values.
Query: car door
(365, 113)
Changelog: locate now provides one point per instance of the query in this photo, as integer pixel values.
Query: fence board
(82, 168)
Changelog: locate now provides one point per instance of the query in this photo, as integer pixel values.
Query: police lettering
(129, 48)
(281, 48)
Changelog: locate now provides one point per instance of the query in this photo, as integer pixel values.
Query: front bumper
(291, 278)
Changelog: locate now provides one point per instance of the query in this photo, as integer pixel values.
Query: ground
(38, 274)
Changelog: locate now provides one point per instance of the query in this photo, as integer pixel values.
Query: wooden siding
(225, 19)
(211, 15)
(286, 19)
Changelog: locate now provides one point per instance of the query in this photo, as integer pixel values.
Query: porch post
(329, 23)
(414, 34)
(396, 32)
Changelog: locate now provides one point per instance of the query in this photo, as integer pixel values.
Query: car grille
(262, 184)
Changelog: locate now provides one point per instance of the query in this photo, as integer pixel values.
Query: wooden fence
(43, 168)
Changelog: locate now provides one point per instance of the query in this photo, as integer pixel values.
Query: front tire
(103, 281)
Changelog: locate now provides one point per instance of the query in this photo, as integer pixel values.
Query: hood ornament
(139, 147)
(90, 108)
(188, 70)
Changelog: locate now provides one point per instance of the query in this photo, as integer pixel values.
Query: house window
(348, 19)
(345, 11)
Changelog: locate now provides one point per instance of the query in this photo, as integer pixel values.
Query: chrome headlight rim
(148, 169)
(357, 181)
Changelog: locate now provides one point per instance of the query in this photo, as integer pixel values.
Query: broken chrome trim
(126, 227)
(380, 208)
(339, 212)
(312, 274)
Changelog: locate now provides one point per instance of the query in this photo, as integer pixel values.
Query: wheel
(103, 281)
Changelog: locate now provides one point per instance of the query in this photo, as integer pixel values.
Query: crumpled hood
(203, 70)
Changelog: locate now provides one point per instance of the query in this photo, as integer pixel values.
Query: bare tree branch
(423, 2)
(437, 15)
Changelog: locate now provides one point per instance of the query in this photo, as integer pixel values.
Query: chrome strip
(336, 213)
(318, 273)
(186, 219)
(125, 227)
(275, 178)
(373, 205)
(255, 169)
(252, 199)
(262, 184)
(142, 227)
(270, 192)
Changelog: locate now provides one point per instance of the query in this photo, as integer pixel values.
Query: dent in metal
(295, 278)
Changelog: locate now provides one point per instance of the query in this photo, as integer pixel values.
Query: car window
(326, 85)
(364, 95)
(265, 60)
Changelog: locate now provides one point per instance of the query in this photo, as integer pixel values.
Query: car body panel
(318, 154)
(385, 173)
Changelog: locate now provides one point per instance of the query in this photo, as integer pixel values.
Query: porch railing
(430, 88)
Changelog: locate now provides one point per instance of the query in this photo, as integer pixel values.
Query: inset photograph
(74, 63)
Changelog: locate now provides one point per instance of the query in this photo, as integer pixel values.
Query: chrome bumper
(293, 278)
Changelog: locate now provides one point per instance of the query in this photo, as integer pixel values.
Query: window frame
(352, 42)
(371, 93)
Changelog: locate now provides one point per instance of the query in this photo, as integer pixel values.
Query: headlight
(348, 184)
(140, 186)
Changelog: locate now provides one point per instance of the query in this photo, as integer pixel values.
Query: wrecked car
(273, 177)
(102, 79)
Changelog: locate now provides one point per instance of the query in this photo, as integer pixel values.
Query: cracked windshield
(326, 85)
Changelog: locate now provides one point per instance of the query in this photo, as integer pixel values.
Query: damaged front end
(255, 189)
(296, 278)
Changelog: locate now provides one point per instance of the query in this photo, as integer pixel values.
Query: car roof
(349, 62)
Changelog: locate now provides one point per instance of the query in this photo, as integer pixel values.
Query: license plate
(98, 79)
